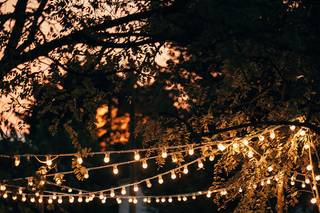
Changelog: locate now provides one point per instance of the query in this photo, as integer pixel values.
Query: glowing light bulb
(115, 170)
(101, 196)
(135, 201)
(87, 200)
(112, 194)
(268, 181)
(60, 200)
(211, 157)
(69, 190)
(71, 199)
(20, 191)
(135, 188)
(272, 135)
(130, 200)
(173, 175)
(123, 191)
(306, 146)
(261, 138)
(292, 183)
(302, 132)
(157, 200)
(136, 155)
(32, 200)
(160, 180)
(164, 153)
(119, 201)
(144, 164)
(250, 154)
(240, 190)
(54, 196)
(163, 200)
(174, 158)
(149, 185)
(194, 197)
(16, 160)
(309, 167)
(185, 170)
(79, 160)
(270, 168)
(184, 198)
(80, 199)
(307, 180)
(149, 200)
(170, 200)
(208, 194)
(200, 164)
(106, 158)
(317, 177)
(50, 200)
(3, 187)
(48, 161)
(303, 185)
(235, 146)
(37, 194)
(23, 198)
(14, 197)
(262, 183)
(145, 200)
(313, 200)
(179, 198)
(191, 151)
(292, 127)
(221, 147)
(86, 175)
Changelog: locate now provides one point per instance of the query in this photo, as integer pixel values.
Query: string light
(313, 200)
(112, 194)
(123, 191)
(3, 187)
(86, 174)
(20, 191)
(5, 195)
(317, 177)
(174, 158)
(149, 185)
(306, 146)
(71, 199)
(292, 127)
(79, 160)
(184, 198)
(270, 168)
(302, 132)
(54, 196)
(160, 180)
(185, 170)
(119, 201)
(50, 201)
(32, 199)
(106, 158)
(170, 199)
(200, 164)
(221, 147)
(80, 199)
(191, 151)
(245, 142)
(60, 200)
(136, 156)
(211, 157)
(307, 180)
(268, 181)
(144, 164)
(14, 197)
(164, 153)
(272, 135)
(69, 190)
(135, 201)
(208, 194)
(48, 161)
(163, 200)
(303, 185)
(135, 188)
(115, 170)
(261, 138)
(250, 154)
(16, 160)
(23, 198)
(173, 175)
(309, 167)
(240, 190)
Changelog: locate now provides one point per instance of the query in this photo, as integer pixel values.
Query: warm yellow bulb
(136, 155)
(115, 170)
(79, 160)
(164, 153)
(272, 135)
(313, 200)
(144, 164)
(149, 185)
(191, 151)
(200, 164)
(123, 191)
(16, 160)
(185, 170)
(135, 188)
(173, 175)
(112, 194)
(221, 147)
(106, 158)
(309, 167)
(292, 127)
(250, 154)
(160, 180)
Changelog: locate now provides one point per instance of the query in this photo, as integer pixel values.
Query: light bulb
(184, 198)
(32, 199)
(303, 185)
(119, 201)
(23, 198)
(306, 146)
(185, 170)
(250, 154)
(115, 170)
(37, 194)
(313, 200)
(79, 160)
(221, 147)
(262, 183)
(309, 167)
(16, 160)
(292, 183)
(50, 200)
(14, 197)
(170, 200)
(144, 164)
(191, 150)
(54, 196)
(106, 158)
(268, 181)
(317, 177)
(69, 190)
(101, 196)
(48, 161)
(149, 185)
(211, 157)
(3, 187)
(173, 175)
(157, 200)
(5, 195)
(307, 180)
(20, 191)
(123, 191)
(71, 199)
(149, 200)
(103, 201)
(160, 180)
(87, 200)
(112, 194)
(145, 200)
(60, 199)
(135, 201)
(163, 200)
(130, 200)
(292, 127)
(136, 155)
(135, 188)
(86, 175)
(240, 189)
(200, 164)
(174, 158)
(261, 138)
(235, 146)
(179, 198)
(42, 182)
(270, 169)
(164, 153)
(208, 194)
(80, 199)
(194, 197)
